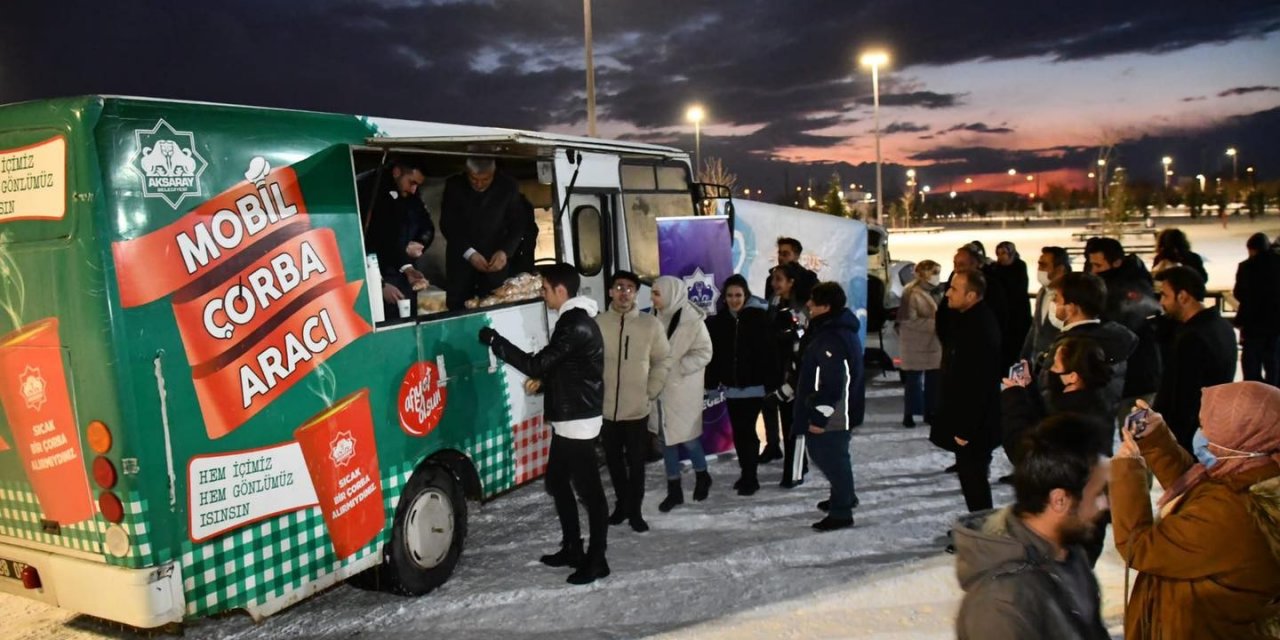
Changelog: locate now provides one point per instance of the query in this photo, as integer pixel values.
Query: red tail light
(104, 473)
(30, 578)
(110, 507)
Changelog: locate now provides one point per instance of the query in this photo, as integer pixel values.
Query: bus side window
(588, 239)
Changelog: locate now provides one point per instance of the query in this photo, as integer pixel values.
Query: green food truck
(206, 406)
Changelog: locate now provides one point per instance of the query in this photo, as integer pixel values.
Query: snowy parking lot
(729, 567)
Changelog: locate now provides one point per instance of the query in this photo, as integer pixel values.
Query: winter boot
(569, 555)
(748, 485)
(637, 522)
(675, 496)
(619, 514)
(832, 523)
(701, 486)
(593, 568)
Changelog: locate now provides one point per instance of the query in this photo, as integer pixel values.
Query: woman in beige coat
(677, 416)
(921, 351)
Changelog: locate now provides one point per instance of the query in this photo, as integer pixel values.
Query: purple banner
(700, 252)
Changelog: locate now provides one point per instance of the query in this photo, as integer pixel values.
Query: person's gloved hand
(488, 336)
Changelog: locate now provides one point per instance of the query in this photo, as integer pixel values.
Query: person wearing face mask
(1079, 299)
(745, 362)
(1054, 263)
(677, 415)
(921, 352)
(1209, 566)
(1022, 568)
(1083, 373)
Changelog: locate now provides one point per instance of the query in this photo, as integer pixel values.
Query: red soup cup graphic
(342, 459)
(37, 402)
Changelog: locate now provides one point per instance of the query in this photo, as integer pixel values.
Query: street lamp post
(1165, 163)
(695, 115)
(875, 59)
(911, 189)
(1232, 152)
(591, 70)
(1102, 176)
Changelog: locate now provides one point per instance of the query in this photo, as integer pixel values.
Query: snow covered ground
(730, 567)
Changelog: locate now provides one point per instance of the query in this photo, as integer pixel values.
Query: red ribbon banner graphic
(230, 394)
(246, 304)
(155, 265)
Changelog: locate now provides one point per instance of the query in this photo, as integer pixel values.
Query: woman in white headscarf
(677, 416)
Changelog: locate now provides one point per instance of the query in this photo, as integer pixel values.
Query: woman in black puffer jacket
(744, 362)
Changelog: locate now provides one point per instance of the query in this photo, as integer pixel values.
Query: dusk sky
(972, 89)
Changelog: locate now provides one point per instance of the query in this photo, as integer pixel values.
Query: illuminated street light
(695, 114)
(1166, 162)
(1232, 152)
(1200, 179)
(875, 60)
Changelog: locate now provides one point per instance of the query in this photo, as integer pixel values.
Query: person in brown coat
(921, 351)
(1209, 568)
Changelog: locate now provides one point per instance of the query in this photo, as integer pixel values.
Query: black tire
(431, 489)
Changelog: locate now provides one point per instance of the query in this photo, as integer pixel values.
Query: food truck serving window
(650, 191)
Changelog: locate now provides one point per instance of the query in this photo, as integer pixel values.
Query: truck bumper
(143, 598)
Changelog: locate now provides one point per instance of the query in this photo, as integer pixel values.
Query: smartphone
(1018, 371)
(1136, 422)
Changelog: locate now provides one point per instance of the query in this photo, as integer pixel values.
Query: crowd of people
(625, 377)
(1117, 352)
(1118, 371)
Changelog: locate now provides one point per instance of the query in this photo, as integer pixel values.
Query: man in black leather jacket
(570, 370)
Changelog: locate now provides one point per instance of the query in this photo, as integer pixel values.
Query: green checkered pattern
(142, 552)
(20, 517)
(272, 558)
(493, 455)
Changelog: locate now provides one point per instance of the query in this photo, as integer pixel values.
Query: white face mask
(1043, 277)
(1051, 311)
(935, 280)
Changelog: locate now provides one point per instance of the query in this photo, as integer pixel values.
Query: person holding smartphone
(1209, 566)
(1083, 371)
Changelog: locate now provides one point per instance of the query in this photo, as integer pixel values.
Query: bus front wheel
(428, 534)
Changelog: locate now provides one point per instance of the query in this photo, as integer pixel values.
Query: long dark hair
(1172, 244)
(735, 280)
(799, 287)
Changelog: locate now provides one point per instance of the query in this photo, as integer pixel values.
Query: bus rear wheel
(427, 535)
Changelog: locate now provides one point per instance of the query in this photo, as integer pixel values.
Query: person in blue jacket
(829, 399)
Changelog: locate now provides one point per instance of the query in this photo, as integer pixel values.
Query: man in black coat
(968, 258)
(789, 250)
(968, 420)
(397, 228)
(1203, 353)
(1258, 292)
(1131, 301)
(484, 219)
(1010, 272)
(570, 369)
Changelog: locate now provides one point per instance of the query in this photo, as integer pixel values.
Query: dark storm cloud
(785, 67)
(926, 99)
(1240, 91)
(905, 127)
(977, 127)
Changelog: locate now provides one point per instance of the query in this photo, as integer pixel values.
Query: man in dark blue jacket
(829, 398)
